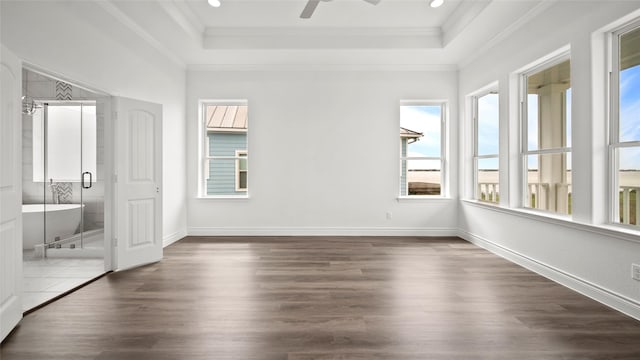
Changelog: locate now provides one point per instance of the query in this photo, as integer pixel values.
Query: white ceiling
(341, 13)
(250, 33)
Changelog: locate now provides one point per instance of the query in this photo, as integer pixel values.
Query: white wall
(323, 153)
(591, 259)
(76, 41)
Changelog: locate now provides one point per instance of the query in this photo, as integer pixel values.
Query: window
(64, 140)
(546, 145)
(421, 148)
(625, 125)
(225, 157)
(487, 135)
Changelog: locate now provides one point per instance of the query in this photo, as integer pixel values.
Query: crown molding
(508, 31)
(125, 20)
(182, 15)
(322, 67)
(322, 38)
(462, 16)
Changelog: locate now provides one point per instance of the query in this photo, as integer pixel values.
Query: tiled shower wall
(40, 87)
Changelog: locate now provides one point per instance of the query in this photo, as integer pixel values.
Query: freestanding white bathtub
(62, 220)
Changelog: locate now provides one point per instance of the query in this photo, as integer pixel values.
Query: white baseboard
(320, 231)
(607, 297)
(171, 238)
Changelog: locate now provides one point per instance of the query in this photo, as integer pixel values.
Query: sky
(630, 116)
(630, 104)
(488, 130)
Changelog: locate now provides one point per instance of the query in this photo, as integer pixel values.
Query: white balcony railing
(629, 209)
(549, 196)
(489, 192)
(538, 197)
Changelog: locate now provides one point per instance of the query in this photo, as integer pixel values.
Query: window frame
(614, 142)
(491, 89)
(242, 155)
(554, 60)
(444, 189)
(204, 157)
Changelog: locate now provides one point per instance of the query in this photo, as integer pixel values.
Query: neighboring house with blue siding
(406, 137)
(227, 149)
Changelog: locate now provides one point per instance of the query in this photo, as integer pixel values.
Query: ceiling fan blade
(309, 9)
(374, 2)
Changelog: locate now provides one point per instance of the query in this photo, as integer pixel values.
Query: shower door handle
(84, 186)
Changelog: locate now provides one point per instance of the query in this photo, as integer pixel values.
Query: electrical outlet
(635, 272)
(389, 215)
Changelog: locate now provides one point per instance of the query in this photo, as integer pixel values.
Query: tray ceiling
(250, 33)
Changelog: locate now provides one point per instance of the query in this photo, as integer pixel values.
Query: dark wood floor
(325, 298)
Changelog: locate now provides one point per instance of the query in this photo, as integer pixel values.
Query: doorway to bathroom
(63, 186)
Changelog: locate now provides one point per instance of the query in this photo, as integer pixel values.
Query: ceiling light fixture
(214, 3)
(436, 3)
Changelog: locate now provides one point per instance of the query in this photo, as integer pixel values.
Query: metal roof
(406, 133)
(227, 117)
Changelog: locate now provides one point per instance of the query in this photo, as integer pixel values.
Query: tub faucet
(55, 196)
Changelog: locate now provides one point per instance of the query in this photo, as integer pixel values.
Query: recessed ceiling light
(436, 3)
(214, 3)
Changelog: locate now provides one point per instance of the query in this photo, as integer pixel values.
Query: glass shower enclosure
(67, 161)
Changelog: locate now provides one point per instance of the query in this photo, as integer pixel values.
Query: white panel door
(10, 192)
(139, 182)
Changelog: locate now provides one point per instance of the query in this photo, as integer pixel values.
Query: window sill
(609, 230)
(224, 197)
(422, 198)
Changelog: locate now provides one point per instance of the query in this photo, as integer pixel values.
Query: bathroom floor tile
(47, 278)
(34, 284)
(67, 284)
(33, 299)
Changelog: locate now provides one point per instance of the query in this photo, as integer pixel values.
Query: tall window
(64, 140)
(625, 125)
(225, 158)
(546, 104)
(421, 148)
(487, 134)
